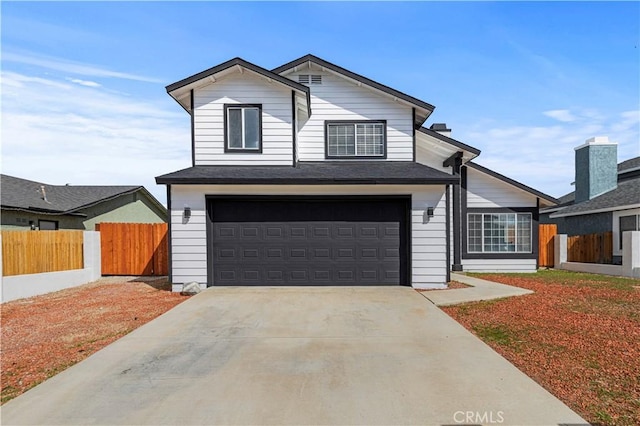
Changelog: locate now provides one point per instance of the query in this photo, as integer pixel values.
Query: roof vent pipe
(44, 194)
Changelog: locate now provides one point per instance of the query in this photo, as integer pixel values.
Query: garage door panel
(327, 243)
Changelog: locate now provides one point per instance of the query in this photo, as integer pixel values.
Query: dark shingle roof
(632, 163)
(626, 194)
(26, 194)
(624, 167)
(313, 173)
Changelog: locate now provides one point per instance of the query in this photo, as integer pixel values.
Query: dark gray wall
(581, 225)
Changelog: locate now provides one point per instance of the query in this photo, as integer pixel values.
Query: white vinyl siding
(499, 265)
(246, 88)
(484, 191)
(189, 239)
(339, 99)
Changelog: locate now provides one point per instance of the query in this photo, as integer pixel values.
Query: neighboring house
(607, 195)
(27, 204)
(310, 174)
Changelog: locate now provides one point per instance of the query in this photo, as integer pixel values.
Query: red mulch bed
(578, 336)
(451, 286)
(43, 335)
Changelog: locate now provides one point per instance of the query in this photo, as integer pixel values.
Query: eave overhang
(331, 173)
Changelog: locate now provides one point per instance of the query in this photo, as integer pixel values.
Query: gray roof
(624, 167)
(626, 194)
(313, 173)
(632, 163)
(27, 195)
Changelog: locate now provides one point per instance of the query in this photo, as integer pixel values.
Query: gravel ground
(578, 336)
(44, 335)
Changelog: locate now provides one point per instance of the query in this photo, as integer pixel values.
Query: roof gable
(521, 186)
(181, 90)
(423, 109)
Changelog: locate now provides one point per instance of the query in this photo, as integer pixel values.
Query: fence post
(91, 254)
(631, 254)
(559, 250)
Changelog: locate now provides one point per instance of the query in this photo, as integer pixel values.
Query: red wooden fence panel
(546, 232)
(134, 248)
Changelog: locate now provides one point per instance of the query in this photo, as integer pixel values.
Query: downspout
(294, 129)
(455, 161)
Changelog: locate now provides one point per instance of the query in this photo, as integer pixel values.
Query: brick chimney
(596, 168)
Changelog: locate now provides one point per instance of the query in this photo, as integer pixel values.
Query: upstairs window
(243, 127)
(356, 139)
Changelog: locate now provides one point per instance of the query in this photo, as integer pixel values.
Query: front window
(356, 139)
(499, 233)
(243, 127)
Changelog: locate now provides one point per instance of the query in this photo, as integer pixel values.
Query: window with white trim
(243, 127)
(356, 139)
(499, 233)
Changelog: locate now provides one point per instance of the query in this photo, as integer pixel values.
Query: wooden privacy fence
(134, 248)
(546, 232)
(591, 248)
(34, 252)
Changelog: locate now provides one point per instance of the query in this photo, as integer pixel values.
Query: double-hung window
(356, 139)
(243, 127)
(499, 233)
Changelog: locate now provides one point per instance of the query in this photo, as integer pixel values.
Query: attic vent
(313, 79)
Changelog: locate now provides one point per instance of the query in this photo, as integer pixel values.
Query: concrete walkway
(303, 355)
(480, 290)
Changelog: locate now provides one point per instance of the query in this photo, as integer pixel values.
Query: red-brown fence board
(591, 248)
(134, 248)
(546, 232)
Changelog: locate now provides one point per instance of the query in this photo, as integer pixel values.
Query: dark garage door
(308, 241)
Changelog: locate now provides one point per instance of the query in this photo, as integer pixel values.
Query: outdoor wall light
(187, 212)
(429, 212)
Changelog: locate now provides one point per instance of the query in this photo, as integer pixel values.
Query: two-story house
(310, 174)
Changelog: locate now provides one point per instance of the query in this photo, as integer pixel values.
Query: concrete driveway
(362, 355)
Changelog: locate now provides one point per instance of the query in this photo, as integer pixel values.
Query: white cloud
(72, 67)
(59, 132)
(543, 157)
(563, 115)
(84, 82)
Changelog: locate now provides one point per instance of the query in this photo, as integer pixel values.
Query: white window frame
(515, 236)
(243, 108)
(357, 124)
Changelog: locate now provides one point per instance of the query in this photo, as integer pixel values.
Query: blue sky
(83, 98)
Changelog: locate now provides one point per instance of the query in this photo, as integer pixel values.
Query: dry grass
(44, 335)
(578, 336)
